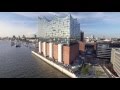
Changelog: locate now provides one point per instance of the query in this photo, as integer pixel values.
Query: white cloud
(112, 18)
(7, 29)
(27, 14)
(98, 15)
(105, 16)
(36, 14)
(87, 19)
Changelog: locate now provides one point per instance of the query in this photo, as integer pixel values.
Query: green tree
(85, 69)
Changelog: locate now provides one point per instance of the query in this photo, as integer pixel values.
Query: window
(54, 22)
(54, 30)
(67, 25)
(67, 20)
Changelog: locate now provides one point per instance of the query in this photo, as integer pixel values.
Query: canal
(20, 63)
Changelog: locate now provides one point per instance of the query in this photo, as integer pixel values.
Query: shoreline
(63, 70)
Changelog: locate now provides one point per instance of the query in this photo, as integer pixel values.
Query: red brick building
(47, 51)
(82, 46)
(55, 51)
(66, 54)
(42, 48)
(70, 53)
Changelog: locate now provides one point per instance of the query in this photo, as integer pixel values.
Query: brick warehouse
(47, 51)
(55, 51)
(81, 46)
(42, 48)
(61, 53)
(70, 53)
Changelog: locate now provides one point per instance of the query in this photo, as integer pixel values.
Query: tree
(19, 37)
(23, 36)
(85, 69)
(14, 36)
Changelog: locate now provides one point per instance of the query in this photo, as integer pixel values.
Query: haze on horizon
(92, 23)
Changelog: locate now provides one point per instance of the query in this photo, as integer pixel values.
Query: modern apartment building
(58, 27)
(115, 60)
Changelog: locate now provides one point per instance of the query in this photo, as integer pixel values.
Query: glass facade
(66, 27)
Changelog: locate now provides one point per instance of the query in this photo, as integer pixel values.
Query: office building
(103, 50)
(82, 36)
(115, 60)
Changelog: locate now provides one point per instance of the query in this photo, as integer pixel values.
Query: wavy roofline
(55, 16)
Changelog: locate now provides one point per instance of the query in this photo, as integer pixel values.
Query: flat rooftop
(117, 49)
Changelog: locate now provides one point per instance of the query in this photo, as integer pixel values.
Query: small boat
(18, 44)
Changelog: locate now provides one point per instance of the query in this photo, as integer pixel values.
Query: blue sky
(98, 23)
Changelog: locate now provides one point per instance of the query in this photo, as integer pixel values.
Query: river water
(20, 63)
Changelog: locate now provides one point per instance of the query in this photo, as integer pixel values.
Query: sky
(99, 24)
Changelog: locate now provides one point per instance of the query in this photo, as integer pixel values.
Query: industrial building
(82, 36)
(62, 53)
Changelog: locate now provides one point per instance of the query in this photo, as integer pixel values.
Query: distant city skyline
(99, 24)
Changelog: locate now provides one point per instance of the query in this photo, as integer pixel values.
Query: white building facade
(65, 27)
(115, 60)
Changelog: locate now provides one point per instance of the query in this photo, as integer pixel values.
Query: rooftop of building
(90, 43)
(117, 49)
(110, 43)
(102, 42)
(56, 17)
